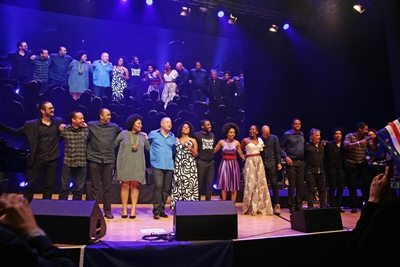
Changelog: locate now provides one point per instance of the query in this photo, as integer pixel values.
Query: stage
(262, 240)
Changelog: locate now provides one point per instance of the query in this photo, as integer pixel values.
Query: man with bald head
(102, 70)
(58, 73)
(271, 156)
(162, 146)
(101, 157)
(182, 80)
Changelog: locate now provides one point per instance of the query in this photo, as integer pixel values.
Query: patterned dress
(170, 87)
(155, 83)
(118, 84)
(229, 171)
(256, 197)
(185, 182)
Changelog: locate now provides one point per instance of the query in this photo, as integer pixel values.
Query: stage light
(185, 11)
(203, 9)
(71, 185)
(286, 26)
(232, 19)
(149, 2)
(23, 184)
(215, 186)
(273, 28)
(359, 8)
(221, 14)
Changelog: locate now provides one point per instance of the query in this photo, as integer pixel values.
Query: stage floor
(249, 227)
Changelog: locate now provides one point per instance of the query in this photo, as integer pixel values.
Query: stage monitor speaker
(69, 222)
(317, 220)
(205, 220)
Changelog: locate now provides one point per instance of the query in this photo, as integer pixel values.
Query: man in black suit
(183, 80)
(43, 137)
(20, 63)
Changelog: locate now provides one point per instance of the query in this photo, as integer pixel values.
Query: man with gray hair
(314, 157)
(102, 70)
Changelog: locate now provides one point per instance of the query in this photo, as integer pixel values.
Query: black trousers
(101, 172)
(296, 174)
(272, 178)
(49, 171)
(319, 181)
(336, 182)
(206, 172)
(358, 172)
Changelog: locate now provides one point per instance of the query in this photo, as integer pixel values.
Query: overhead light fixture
(232, 19)
(203, 9)
(286, 26)
(220, 14)
(185, 11)
(359, 8)
(273, 28)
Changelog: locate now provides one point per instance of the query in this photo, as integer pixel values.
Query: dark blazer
(31, 131)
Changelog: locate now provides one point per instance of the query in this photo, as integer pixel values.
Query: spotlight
(221, 14)
(232, 19)
(273, 28)
(71, 185)
(286, 26)
(149, 2)
(185, 11)
(203, 9)
(359, 8)
(23, 184)
(215, 186)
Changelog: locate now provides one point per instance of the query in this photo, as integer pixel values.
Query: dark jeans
(162, 187)
(354, 173)
(336, 182)
(49, 171)
(136, 92)
(296, 174)
(103, 172)
(272, 178)
(316, 180)
(79, 173)
(198, 95)
(98, 91)
(206, 172)
(58, 83)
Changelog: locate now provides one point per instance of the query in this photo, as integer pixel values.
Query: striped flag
(389, 138)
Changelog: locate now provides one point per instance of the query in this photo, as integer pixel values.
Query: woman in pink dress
(256, 197)
(229, 171)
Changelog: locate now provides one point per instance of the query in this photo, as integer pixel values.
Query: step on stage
(261, 240)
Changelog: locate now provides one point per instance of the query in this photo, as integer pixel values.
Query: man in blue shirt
(58, 74)
(292, 148)
(102, 70)
(162, 143)
(199, 82)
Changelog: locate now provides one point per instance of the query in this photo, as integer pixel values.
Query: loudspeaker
(317, 220)
(205, 220)
(69, 222)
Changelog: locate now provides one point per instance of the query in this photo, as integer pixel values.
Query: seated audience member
(22, 242)
(375, 240)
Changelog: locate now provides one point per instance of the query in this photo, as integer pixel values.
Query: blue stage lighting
(71, 185)
(221, 14)
(149, 2)
(23, 184)
(286, 26)
(215, 186)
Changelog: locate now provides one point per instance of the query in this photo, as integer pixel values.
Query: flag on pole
(389, 138)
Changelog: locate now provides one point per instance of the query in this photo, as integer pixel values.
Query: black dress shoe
(163, 215)
(109, 216)
(124, 216)
(132, 217)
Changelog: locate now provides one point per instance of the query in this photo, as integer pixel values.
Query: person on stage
(185, 184)
(102, 70)
(135, 79)
(43, 137)
(76, 136)
(170, 87)
(120, 76)
(162, 147)
(256, 197)
(292, 149)
(205, 160)
(131, 164)
(78, 80)
(58, 74)
(229, 171)
(271, 155)
(153, 75)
